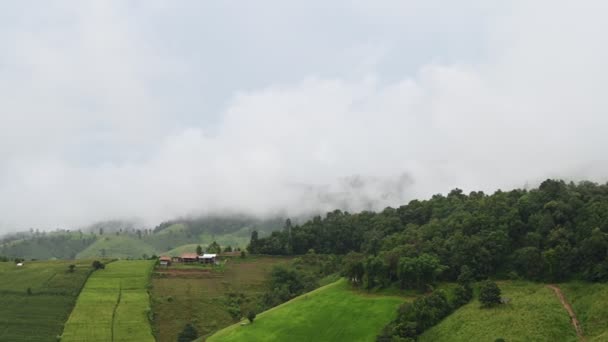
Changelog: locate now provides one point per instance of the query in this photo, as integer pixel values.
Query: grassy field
(113, 306)
(177, 251)
(590, 303)
(533, 314)
(121, 246)
(38, 316)
(331, 313)
(198, 295)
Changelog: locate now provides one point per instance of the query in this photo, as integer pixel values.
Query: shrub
(98, 265)
(251, 316)
(462, 295)
(188, 334)
(489, 294)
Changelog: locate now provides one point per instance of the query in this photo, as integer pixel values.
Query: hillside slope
(38, 314)
(534, 313)
(331, 313)
(589, 302)
(116, 247)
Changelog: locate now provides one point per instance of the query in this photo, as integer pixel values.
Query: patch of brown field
(181, 296)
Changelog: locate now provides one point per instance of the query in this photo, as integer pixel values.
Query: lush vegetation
(36, 298)
(302, 275)
(589, 303)
(331, 313)
(556, 232)
(208, 298)
(114, 305)
(414, 318)
(532, 314)
(41, 245)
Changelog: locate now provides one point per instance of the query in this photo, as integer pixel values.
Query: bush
(489, 294)
(462, 295)
(188, 334)
(413, 319)
(98, 265)
(251, 316)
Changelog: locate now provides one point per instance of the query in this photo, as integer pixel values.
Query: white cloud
(90, 131)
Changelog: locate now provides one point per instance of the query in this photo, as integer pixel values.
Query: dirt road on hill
(568, 307)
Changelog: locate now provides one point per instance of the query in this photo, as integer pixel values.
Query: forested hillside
(555, 232)
(126, 240)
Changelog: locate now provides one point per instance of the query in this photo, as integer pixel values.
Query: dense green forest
(555, 232)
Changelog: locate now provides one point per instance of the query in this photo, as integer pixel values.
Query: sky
(152, 109)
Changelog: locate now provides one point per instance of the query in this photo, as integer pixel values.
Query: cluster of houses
(188, 258)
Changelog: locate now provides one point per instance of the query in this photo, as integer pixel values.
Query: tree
(71, 268)
(254, 247)
(199, 250)
(353, 267)
(214, 247)
(489, 293)
(462, 295)
(251, 316)
(466, 275)
(98, 265)
(243, 255)
(188, 334)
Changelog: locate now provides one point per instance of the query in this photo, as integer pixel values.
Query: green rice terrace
(37, 297)
(114, 305)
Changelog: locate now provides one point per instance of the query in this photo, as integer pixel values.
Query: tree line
(555, 232)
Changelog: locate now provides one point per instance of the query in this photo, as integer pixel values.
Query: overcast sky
(153, 109)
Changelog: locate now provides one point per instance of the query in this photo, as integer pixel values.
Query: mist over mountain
(153, 110)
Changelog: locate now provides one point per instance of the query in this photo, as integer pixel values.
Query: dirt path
(568, 307)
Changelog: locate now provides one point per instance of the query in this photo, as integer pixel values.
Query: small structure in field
(207, 258)
(19, 264)
(189, 257)
(165, 260)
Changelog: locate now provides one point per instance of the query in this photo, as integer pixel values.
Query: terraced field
(113, 306)
(38, 314)
(197, 294)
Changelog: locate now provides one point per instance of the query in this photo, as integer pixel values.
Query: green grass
(533, 314)
(331, 313)
(239, 238)
(177, 251)
(41, 315)
(194, 294)
(113, 305)
(117, 247)
(178, 228)
(590, 303)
